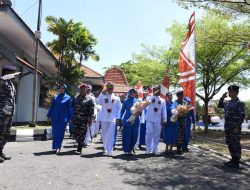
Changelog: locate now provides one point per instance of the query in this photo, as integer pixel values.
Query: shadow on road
(98, 154)
(44, 153)
(70, 146)
(193, 170)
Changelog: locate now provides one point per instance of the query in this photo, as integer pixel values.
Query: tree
(247, 110)
(221, 54)
(136, 71)
(230, 7)
(150, 66)
(74, 44)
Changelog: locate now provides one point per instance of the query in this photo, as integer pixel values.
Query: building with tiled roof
(93, 78)
(17, 49)
(117, 76)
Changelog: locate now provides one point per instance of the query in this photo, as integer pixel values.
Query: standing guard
(234, 117)
(7, 106)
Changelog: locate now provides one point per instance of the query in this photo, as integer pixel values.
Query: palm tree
(74, 44)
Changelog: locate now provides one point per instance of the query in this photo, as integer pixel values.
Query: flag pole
(35, 89)
(195, 111)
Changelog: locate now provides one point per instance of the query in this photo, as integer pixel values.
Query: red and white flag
(140, 89)
(186, 62)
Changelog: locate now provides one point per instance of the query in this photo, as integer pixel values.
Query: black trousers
(5, 126)
(233, 142)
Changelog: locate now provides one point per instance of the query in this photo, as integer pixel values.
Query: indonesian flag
(140, 89)
(186, 62)
(165, 85)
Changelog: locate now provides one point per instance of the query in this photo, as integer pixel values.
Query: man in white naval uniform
(111, 106)
(156, 115)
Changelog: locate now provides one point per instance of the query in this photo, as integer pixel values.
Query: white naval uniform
(153, 122)
(97, 123)
(108, 119)
(142, 120)
(92, 127)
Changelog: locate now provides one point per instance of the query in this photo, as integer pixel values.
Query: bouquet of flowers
(136, 110)
(180, 111)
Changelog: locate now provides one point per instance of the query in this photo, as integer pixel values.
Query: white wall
(24, 99)
(42, 114)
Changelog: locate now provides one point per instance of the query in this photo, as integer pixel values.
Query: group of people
(88, 114)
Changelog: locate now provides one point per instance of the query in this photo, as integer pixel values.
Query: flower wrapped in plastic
(179, 112)
(136, 110)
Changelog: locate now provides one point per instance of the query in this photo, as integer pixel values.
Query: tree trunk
(206, 118)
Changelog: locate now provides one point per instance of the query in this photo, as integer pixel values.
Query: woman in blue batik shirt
(59, 113)
(170, 130)
(129, 130)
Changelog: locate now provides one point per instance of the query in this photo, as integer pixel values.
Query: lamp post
(37, 39)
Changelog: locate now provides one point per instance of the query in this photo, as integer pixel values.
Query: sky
(121, 26)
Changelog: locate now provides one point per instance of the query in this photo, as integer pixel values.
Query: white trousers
(97, 127)
(153, 134)
(88, 136)
(138, 137)
(108, 135)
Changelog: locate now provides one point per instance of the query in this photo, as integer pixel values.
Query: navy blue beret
(9, 67)
(233, 88)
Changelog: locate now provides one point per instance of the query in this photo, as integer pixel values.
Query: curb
(25, 135)
(220, 154)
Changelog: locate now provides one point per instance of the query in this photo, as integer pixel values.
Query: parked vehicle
(214, 120)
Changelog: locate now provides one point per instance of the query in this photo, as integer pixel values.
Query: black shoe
(233, 165)
(179, 151)
(1, 160)
(3, 156)
(133, 151)
(79, 150)
(228, 162)
(141, 148)
(185, 149)
(171, 152)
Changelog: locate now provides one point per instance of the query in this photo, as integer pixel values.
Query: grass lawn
(216, 140)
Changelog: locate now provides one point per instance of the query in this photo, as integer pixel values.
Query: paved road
(34, 166)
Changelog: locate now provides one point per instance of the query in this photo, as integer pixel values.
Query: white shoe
(110, 154)
(148, 152)
(105, 152)
(137, 147)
